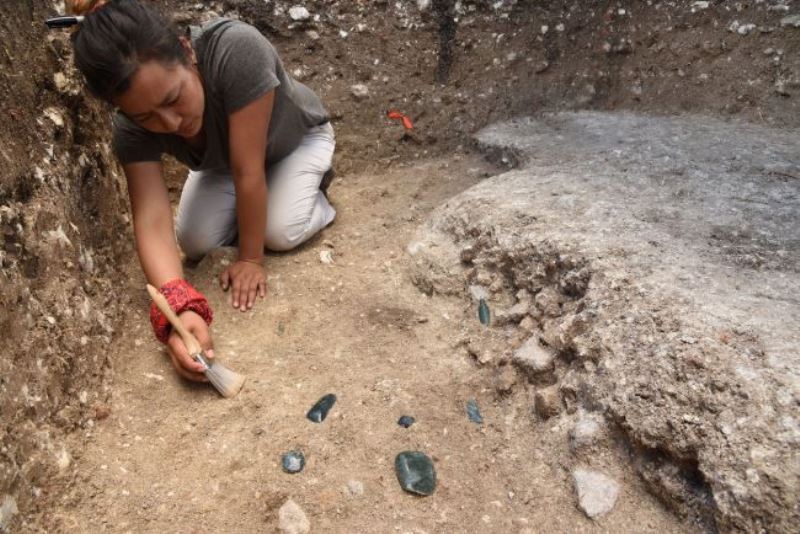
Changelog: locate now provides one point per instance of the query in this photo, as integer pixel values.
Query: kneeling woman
(257, 142)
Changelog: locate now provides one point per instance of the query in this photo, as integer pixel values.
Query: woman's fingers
(225, 279)
(188, 375)
(247, 292)
(262, 289)
(203, 335)
(183, 362)
(237, 287)
(246, 283)
(181, 356)
(251, 293)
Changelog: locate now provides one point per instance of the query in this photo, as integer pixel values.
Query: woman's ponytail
(84, 7)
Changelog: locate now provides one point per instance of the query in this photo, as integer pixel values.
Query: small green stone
(293, 462)
(484, 315)
(415, 472)
(320, 410)
(473, 412)
(406, 421)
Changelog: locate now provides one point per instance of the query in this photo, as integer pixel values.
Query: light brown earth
(172, 457)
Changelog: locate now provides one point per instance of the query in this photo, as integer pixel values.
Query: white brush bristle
(227, 382)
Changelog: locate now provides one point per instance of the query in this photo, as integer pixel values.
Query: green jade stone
(320, 410)
(415, 473)
(406, 421)
(293, 462)
(484, 316)
(473, 412)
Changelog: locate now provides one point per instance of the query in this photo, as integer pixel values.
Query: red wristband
(181, 297)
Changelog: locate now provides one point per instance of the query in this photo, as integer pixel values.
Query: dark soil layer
(61, 216)
(663, 58)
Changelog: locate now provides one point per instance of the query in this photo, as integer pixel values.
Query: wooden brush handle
(192, 345)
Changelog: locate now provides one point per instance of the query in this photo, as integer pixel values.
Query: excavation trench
(170, 453)
(653, 256)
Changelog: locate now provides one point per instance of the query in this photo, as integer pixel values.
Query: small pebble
(293, 462)
(586, 431)
(320, 410)
(299, 13)
(415, 472)
(547, 402)
(597, 493)
(484, 315)
(473, 412)
(505, 379)
(533, 358)
(359, 91)
(355, 488)
(292, 519)
(406, 421)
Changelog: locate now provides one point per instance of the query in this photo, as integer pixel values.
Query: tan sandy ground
(173, 457)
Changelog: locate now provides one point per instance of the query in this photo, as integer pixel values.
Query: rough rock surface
(547, 402)
(355, 488)
(672, 244)
(534, 359)
(62, 227)
(586, 432)
(292, 519)
(597, 493)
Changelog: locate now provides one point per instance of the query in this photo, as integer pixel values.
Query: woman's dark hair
(115, 39)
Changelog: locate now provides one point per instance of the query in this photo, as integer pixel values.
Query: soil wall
(522, 57)
(62, 222)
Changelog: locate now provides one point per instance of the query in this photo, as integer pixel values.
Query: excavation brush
(227, 382)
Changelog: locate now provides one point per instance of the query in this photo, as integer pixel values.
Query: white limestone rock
(597, 493)
(292, 519)
(534, 359)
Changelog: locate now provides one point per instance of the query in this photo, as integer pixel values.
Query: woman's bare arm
(158, 254)
(152, 223)
(248, 145)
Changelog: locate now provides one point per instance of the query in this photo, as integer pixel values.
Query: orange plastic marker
(396, 115)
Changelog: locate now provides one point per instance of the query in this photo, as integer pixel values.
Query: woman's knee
(195, 242)
(278, 238)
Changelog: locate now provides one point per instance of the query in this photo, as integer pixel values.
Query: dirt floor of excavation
(169, 453)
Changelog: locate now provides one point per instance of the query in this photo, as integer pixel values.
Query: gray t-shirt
(238, 65)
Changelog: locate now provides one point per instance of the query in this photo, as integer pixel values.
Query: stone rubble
(656, 300)
(292, 519)
(355, 488)
(597, 493)
(28, 256)
(534, 359)
(586, 432)
(547, 402)
(299, 14)
(359, 91)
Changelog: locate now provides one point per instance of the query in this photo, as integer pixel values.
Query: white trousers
(296, 208)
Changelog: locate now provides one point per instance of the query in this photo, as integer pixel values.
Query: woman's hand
(246, 280)
(183, 362)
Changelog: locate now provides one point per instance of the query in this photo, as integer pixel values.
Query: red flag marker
(396, 115)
